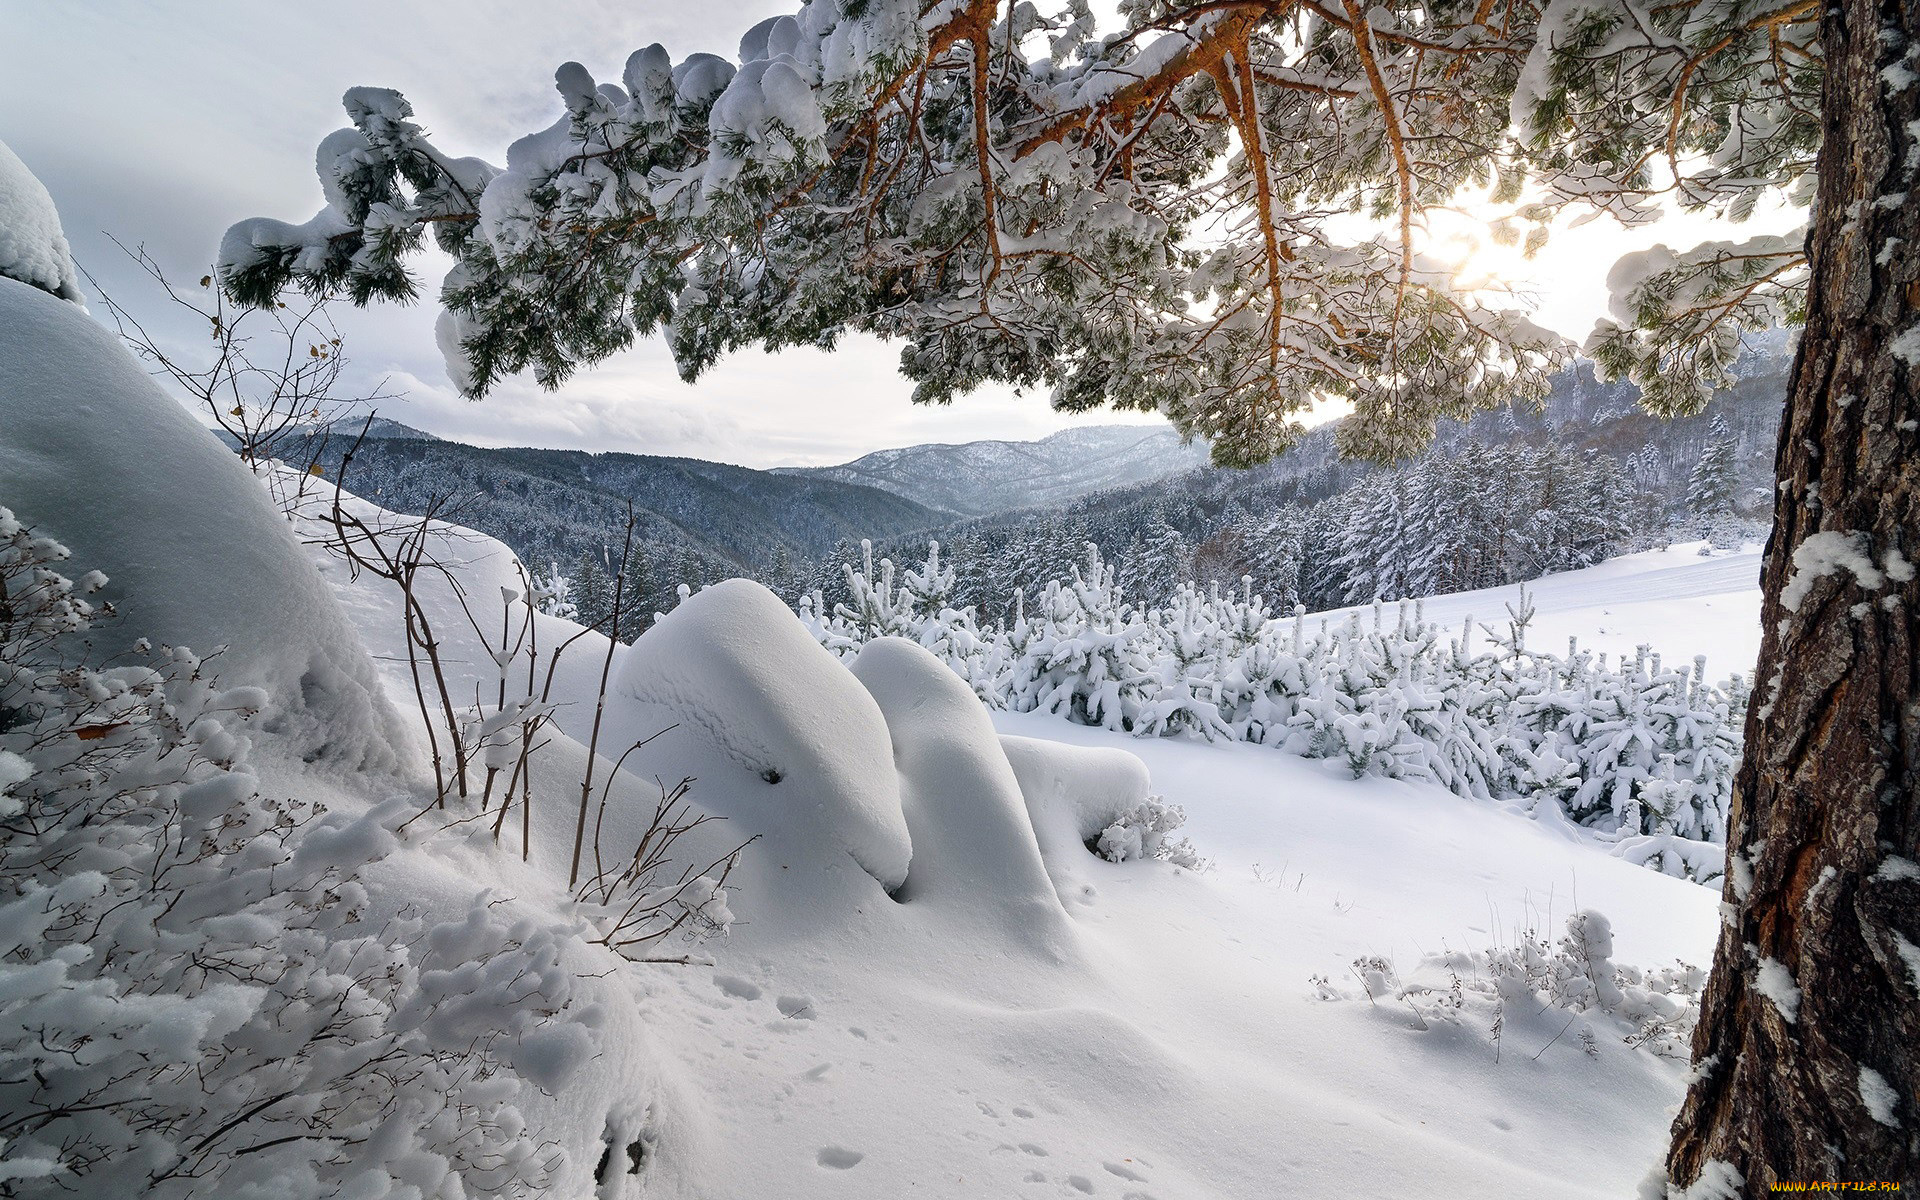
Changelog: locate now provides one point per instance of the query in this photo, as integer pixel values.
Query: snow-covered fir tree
(592, 591)
(1711, 485)
(1639, 753)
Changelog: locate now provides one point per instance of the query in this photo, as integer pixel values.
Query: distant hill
(696, 522)
(347, 428)
(379, 427)
(1193, 523)
(977, 478)
(1009, 508)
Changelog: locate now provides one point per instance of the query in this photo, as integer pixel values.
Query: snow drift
(1072, 794)
(195, 552)
(734, 663)
(972, 838)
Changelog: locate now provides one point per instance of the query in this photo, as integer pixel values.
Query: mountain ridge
(977, 478)
(695, 521)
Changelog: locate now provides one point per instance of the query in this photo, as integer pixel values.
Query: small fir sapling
(1638, 752)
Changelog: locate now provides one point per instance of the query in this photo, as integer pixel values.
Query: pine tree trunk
(1808, 1050)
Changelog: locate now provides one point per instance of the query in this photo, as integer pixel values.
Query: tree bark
(1807, 1057)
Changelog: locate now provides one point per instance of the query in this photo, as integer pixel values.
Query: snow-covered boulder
(972, 837)
(94, 454)
(1073, 794)
(737, 667)
(33, 247)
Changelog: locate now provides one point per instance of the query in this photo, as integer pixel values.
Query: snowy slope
(930, 988)
(976, 478)
(196, 555)
(1675, 600)
(1143, 1032)
(1177, 1048)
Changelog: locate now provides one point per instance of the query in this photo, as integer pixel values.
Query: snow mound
(972, 836)
(196, 554)
(33, 248)
(1073, 794)
(735, 664)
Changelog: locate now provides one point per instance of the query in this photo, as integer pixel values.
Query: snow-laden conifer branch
(1146, 219)
(1140, 219)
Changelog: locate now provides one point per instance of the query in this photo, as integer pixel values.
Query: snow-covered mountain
(378, 427)
(975, 478)
(696, 522)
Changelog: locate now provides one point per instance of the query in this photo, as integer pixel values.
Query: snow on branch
(1146, 219)
(198, 994)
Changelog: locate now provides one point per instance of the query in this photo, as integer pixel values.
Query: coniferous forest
(1506, 497)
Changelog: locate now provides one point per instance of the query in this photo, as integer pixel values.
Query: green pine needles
(1214, 212)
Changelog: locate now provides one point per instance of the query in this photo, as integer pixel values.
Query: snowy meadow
(307, 913)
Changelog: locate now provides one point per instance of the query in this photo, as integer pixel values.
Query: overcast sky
(163, 121)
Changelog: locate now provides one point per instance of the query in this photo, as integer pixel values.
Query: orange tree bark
(1811, 1021)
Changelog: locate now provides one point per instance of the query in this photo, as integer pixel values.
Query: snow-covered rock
(735, 665)
(196, 554)
(33, 247)
(973, 842)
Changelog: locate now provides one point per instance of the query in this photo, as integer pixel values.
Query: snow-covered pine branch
(1147, 218)
(1144, 219)
(1705, 106)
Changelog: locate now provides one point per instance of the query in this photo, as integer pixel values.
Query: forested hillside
(975, 479)
(695, 522)
(1509, 495)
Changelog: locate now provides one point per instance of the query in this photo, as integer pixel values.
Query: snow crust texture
(33, 247)
(195, 550)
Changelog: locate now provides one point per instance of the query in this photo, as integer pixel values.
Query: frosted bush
(194, 999)
(1576, 979)
(1141, 833)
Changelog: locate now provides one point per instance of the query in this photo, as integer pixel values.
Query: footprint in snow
(838, 1157)
(737, 987)
(1081, 1183)
(798, 1008)
(1124, 1172)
